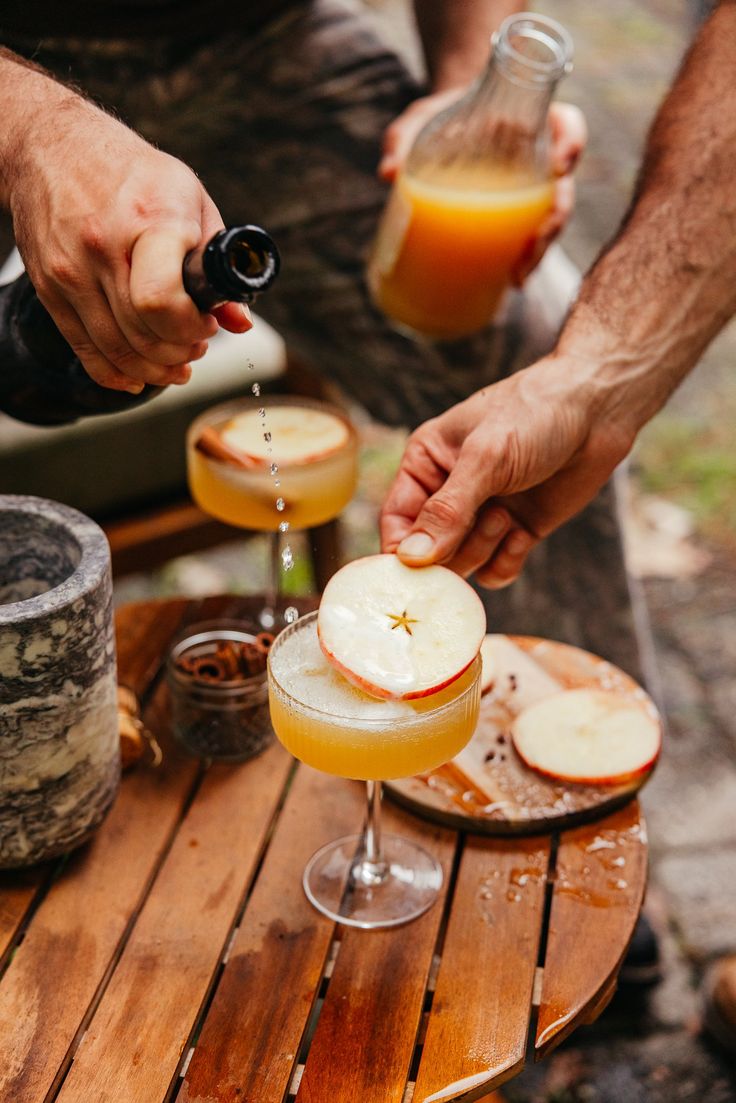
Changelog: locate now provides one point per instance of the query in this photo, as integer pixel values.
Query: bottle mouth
(244, 258)
(533, 49)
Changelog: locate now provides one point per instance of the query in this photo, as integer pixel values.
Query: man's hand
(103, 222)
(568, 135)
(481, 484)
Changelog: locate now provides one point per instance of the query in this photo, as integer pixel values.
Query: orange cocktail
(303, 487)
(448, 245)
(363, 880)
(333, 726)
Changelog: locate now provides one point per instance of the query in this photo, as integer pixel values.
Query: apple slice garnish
(590, 736)
(399, 632)
(287, 434)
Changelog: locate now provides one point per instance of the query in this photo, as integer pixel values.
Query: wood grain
(72, 941)
(487, 788)
(600, 879)
(478, 1023)
(143, 632)
(18, 890)
(127, 942)
(250, 1041)
(365, 1037)
(134, 1042)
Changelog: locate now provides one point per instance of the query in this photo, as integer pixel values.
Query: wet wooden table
(176, 956)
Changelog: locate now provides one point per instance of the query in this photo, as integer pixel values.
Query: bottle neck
(499, 95)
(530, 53)
(532, 50)
(236, 265)
(496, 135)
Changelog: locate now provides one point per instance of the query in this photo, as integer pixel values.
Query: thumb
(444, 520)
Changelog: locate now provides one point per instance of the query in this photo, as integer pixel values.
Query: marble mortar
(59, 744)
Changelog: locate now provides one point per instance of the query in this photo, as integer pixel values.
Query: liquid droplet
(291, 614)
(280, 505)
(274, 468)
(277, 483)
(267, 437)
(283, 526)
(251, 365)
(262, 412)
(256, 389)
(287, 558)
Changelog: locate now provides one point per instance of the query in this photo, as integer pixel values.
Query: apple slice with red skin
(399, 632)
(296, 434)
(589, 736)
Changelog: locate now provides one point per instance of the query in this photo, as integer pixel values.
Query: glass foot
(341, 884)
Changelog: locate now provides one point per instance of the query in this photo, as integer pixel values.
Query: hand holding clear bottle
(482, 190)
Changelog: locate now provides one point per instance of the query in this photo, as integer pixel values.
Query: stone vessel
(59, 745)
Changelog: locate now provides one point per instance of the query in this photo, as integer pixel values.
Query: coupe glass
(273, 497)
(365, 880)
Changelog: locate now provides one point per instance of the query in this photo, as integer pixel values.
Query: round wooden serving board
(487, 788)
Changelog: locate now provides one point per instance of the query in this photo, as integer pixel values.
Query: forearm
(456, 36)
(30, 102)
(667, 284)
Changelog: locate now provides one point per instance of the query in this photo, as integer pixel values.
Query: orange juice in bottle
(474, 191)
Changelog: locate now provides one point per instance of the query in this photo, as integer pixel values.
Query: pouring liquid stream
(286, 554)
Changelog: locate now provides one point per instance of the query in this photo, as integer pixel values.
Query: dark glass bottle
(42, 381)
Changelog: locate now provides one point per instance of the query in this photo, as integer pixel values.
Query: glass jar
(219, 713)
(474, 190)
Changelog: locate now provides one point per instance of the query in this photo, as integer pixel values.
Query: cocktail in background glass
(275, 463)
(365, 880)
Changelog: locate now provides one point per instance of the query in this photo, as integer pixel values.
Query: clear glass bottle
(473, 191)
(42, 381)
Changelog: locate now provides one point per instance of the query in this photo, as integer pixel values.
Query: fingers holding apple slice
(589, 736)
(399, 632)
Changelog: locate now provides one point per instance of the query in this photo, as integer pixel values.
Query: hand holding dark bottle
(103, 222)
(43, 382)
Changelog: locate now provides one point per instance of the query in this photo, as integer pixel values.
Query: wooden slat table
(175, 957)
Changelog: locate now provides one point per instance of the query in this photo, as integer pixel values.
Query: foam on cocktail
(303, 671)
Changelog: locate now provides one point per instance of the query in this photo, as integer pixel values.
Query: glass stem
(273, 580)
(372, 868)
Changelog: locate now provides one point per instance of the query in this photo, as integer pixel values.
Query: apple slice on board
(297, 434)
(399, 632)
(591, 736)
